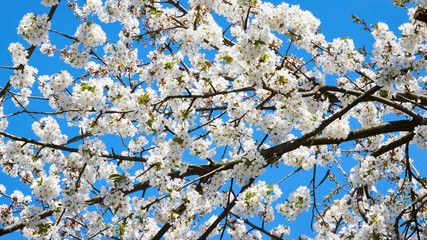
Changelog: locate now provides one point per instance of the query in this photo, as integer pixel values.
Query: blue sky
(334, 15)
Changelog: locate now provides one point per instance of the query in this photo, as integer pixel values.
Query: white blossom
(34, 28)
(90, 34)
(46, 187)
(48, 130)
(49, 3)
(339, 128)
(19, 54)
(420, 137)
(297, 202)
(23, 78)
(166, 119)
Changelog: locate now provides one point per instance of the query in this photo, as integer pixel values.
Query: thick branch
(421, 14)
(280, 149)
(193, 169)
(67, 149)
(378, 98)
(405, 139)
(258, 228)
(225, 212)
(48, 145)
(20, 225)
(396, 223)
(162, 231)
(394, 126)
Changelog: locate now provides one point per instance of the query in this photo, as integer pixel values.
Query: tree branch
(225, 212)
(21, 224)
(287, 146)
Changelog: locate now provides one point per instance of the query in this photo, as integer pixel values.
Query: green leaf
(89, 23)
(259, 42)
(185, 113)
(144, 99)
(205, 65)
(43, 227)
(169, 66)
(263, 58)
(154, 11)
(178, 140)
(86, 86)
(117, 179)
(227, 59)
(40, 182)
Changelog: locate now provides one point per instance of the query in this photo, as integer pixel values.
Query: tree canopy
(189, 120)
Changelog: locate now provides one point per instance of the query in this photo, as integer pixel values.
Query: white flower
(89, 94)
(137, 144)
(23, 78)
(48, 130)
(49, 3)
(297, 202)
(94, 4)
(301, 157)
(74, 57)
(19, 55)
(95, 222)
(139, 3)
(420, 137)
(17, 196)
(255, 199)
(341, 57)
(207, 224)
(90, 34)
(280, 231)
(3, 123)
(61, 81)
(339, 129)
(22, 97)
(47, 48)
(46, 187)
(368, 172)
(34, 29)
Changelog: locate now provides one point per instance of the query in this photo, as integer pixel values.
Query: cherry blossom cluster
(168, 123)
(257, 198)
(48, 130)
(90, 34)
(297, 202)
(19, 55)
(34, 28)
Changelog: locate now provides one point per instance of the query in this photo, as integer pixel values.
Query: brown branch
(257, 228)
(208, 95)
(194, 169)
(20, 225)
(287, 146)
(49, 17)
(49, 145)
(394, 126)
(162, 231)
(403, 125)
(396, 223)
(421, 14)
(374, 98)
(360, 203)
(225, 212)
(405, 139)
(67, 149)
(177, 5)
